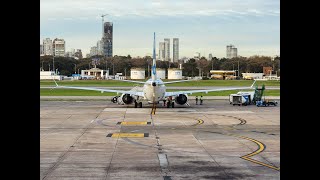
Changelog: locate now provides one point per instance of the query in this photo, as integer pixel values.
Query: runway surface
(102, 140)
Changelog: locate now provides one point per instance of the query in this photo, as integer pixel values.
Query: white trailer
(239, 99)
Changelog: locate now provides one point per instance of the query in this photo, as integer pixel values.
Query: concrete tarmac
(101, 140)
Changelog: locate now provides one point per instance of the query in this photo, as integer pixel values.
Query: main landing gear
(170, 104)
(137, 104)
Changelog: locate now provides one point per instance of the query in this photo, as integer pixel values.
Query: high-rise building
(210, 57)
(161, 51)
(41, 49)
(78, 54)
(59, 47)
(93, 51)
(47, 47)
(231, 51)
(175, 52)
(72, 51)
(100, 47)
(167, 49)
(107, 39)
(196, 56)
(234, 52)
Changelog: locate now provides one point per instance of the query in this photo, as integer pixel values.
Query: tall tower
(229, 47)
(232, 51)
(107, 39)
(41, 49)
(100, 47)
(47, 46)
(167, 49)
(161, 51)
(175, 52)
(59, 47)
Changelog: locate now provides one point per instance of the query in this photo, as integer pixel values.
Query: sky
(204, 26)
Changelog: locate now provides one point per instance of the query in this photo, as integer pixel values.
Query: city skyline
(202, 26)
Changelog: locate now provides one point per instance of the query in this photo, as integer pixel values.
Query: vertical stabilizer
(154, 72)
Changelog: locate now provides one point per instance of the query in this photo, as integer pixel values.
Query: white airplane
(154, 90)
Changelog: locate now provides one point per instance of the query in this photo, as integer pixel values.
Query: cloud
(146, 8)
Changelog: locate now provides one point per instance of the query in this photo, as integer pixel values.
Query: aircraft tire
(135, 104)
(140, 104)
(172, 105)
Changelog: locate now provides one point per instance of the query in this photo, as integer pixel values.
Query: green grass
(109, 83)
(76, 92)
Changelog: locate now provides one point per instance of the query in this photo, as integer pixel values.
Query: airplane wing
(140, 82)
(205, 91)
(169, 82)
(134, 93)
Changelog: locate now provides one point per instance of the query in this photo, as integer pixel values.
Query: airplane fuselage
(154, 93)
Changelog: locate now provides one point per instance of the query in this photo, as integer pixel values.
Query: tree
(203, 65)
(189, 68)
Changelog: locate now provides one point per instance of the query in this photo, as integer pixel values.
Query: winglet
(253, 83)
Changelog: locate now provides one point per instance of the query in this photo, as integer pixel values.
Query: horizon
(253, 27)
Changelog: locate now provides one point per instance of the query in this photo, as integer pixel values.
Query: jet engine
(115, 99)
(181, 99)
(127, 99)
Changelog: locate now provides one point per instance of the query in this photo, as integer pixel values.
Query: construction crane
(102, 16)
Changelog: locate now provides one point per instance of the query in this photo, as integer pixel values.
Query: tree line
(193, 67)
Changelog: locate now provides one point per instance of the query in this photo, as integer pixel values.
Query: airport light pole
(238, 69)
(53, 63)
(233, 69)
(75, 69)
(211, 63)
(113, 68)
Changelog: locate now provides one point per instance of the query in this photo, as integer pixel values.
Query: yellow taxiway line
(200, 121)
(259, 150)
(128, 135)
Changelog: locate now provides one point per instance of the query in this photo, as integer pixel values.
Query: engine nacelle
(127, 99)
(181, 99)
(115, 99)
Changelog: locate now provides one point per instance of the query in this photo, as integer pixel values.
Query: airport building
(47, 47)
(161, 73)
(107, 39)
(250, 76)
(175, 52)
(232, 51)
(137, 73)
(174, 73)
(59, 47)
(223, 74)
(49, 75)
(94, 73)
(267, 71)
